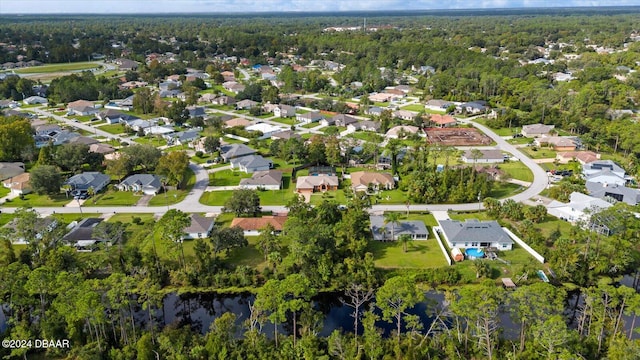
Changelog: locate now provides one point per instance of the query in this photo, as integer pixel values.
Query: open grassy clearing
(517, 170)
(114, 129)
(413, 107)
(227, 178)
(539, 153)
(35, 200)
(59, 68)
(113, 197)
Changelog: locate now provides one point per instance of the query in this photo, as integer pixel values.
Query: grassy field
(267, 197)
(175, 196)
(517, 170)
(413, 107)
(539, 153)
(155, 141)
(502, 190)
(227, 178)
(35, 200)
(113, 198)
(114, 129)
(58, 68)
(520, 141)
(4, 191)
(310, 125)
(286, 121)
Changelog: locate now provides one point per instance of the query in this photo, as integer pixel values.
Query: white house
(267, 180)
(579, 208)
(381, 231)
(483, 156)
(149, 184)
(199, 228)
(251, 163)
(266, 129)
(284, 111)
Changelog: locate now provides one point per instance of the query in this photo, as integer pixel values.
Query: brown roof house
(583, 157)
(199, 228)
(443, 120)
(365, 181)
(253, 226)
(18, 184)
(311, 184)
(558, 143)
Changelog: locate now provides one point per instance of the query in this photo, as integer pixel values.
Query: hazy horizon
(27, 7)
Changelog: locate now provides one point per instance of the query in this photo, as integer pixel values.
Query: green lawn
(421, 254)
(58, 68)
(395, 196)
(286, 121)
(113, 198)
(5, 218)
(175, 196)
(35, 200)
(520, 141)
(227, 178)
(82, 119)
(4, 191)
(215, 198)
(517, 170)
(539, 153)
(114, 129)
(247, 256)
(367, 136)
(155, 141)
(413, 107)
(503, 189)
(201, 160)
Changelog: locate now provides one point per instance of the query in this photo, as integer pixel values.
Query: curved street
(191, 203)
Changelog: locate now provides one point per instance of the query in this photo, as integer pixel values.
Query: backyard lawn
(421, 254)
(227, 178)
(413, 107)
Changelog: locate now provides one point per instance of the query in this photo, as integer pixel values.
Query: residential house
(284, 111)
(228, 76)
(311, 184)
(266, 129)
(85, 140)
(536, 130)
(233, 87)
(253, 226)
(148, 184)
(207, 98)
(196, 111)
(558, 143)
(285, 135)
(475, 234)
(309, 118)
(126, 64)
(63, 137)
(19, 184)
(267, 180)
(241, 122)
(395, 92)
(199, 228)
(438, 104)
(82, 108)
(224, 100)
(579, 208)
(583, 157)
(10, 169)
(366, 180)
(598, 166)
(111, 116)
(81, 234)
(614, 192)
(322, 170)
(472, 107)
(381, 97)
(251, 163)
(374, 111)
(382, 231)
(443, 121)
(158, 130)
(343, 120)
(483, 156)
(47, 129)
(232, 151)
(365, 125)
(35, 100)
(606, 177)
(246, 104)
(183, 137)
(405, 115)
(86, 180)
(12, 104)
(101, 148)
(401, 131)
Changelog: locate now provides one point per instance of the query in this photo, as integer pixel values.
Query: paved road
(84, 126)
(191, 202)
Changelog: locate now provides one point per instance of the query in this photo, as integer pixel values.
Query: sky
(243, 6)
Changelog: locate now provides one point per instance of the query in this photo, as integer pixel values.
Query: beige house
(311, 184)
(18, 184)
(361, 180)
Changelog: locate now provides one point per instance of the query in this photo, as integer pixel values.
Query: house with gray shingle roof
(232, 151)
(86, 180)
(268, 180)
(251, 163)
(382, 232)
(199, 228)
(310, 117)
(475, 234)
(149, 184)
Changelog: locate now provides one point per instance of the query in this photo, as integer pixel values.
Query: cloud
(175, 6)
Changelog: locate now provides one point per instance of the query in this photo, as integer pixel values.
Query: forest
(110, 303)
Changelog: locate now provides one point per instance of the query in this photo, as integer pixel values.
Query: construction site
(457, 137)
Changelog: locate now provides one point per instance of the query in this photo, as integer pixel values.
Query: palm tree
(392, 218)
(91, 192)
(405, 238)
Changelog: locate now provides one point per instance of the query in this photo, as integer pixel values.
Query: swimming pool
(473, 253)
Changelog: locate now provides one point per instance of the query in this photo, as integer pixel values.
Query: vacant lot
(58, 68)
(457, 137)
